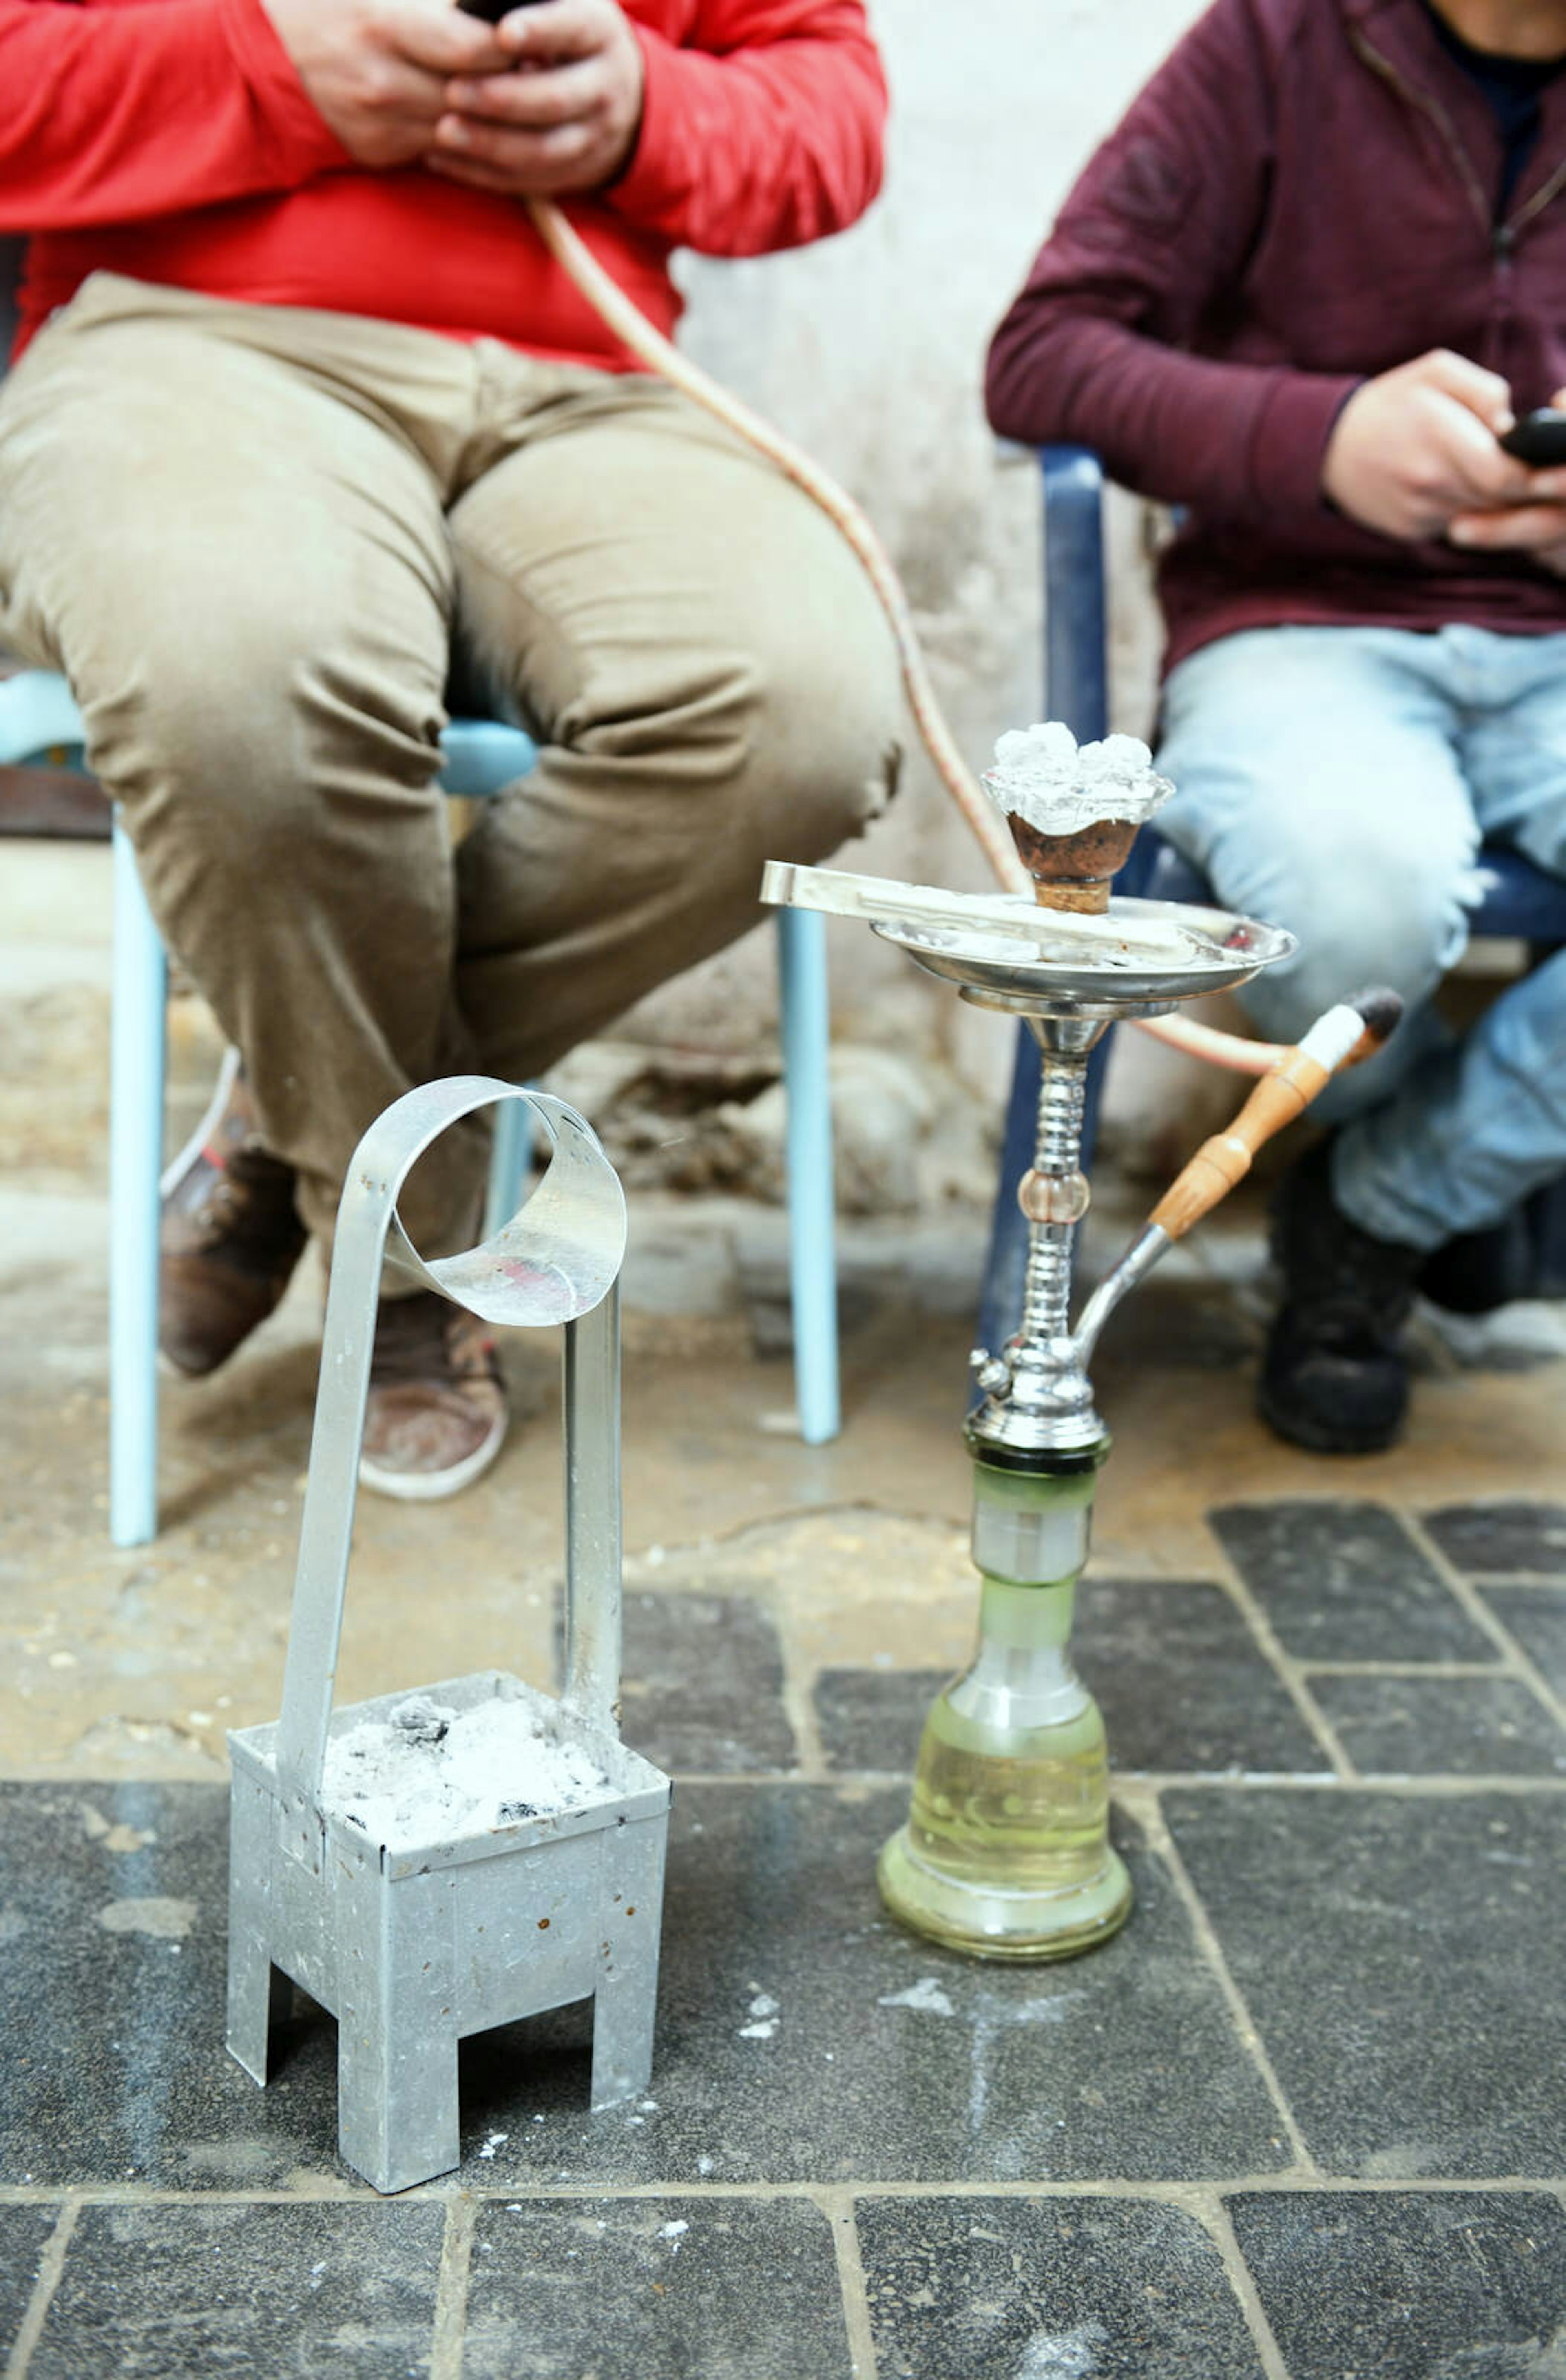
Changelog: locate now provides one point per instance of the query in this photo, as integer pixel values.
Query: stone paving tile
(1179, 1676)
(1436, 2285)
(702, 1684)
(24, 2234)
(788, 2046)
(803, 2036)
(1016, 2288)
(1537, 1617)
(112, 1971)
(187, 2291)
(1345, 1582)
(1442, 1727)
(1396, 1953)
(1521, 1537)
(655, 2289)
(872, 1719)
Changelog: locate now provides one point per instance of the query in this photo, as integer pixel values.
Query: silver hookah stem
(1037, 1400)
(1054, 1199)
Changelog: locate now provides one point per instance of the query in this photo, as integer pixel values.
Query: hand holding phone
(564, 116)
(379, 74)
(1417, 445)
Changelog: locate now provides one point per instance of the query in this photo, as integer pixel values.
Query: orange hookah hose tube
(631, 326)
(1241, 1055)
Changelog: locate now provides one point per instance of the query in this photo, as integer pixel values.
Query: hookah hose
(631, 326)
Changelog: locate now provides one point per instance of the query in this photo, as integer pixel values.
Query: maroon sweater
(1303, 196)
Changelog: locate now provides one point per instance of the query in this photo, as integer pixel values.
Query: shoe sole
(1321, 1441)
(178, 1167)
(432, 1486)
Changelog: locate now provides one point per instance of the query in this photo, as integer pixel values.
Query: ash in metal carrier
(459, 1855)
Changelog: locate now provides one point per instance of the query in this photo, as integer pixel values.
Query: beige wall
(869, 349)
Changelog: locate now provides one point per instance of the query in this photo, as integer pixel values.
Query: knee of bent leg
(828, 745)
(798, 751)
(1371, 917)
(232, 734)
(833, 788)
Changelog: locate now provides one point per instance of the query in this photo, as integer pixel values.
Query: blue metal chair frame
(1519, 900)
(39, 724)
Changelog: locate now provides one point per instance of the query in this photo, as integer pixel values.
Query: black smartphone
(492, 11)
(1540, 439)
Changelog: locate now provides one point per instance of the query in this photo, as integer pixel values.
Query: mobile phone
(1540, 439)
(492, 11)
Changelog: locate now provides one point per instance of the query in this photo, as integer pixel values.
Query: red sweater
(171, 140)
(1303, 195)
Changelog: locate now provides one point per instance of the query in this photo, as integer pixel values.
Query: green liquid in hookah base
(1010, 1773)
(1006, 1849)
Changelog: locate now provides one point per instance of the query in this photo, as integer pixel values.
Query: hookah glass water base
(1006, 1851)
(989, 1923)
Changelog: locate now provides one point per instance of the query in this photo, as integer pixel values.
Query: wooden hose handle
(1342, 1037)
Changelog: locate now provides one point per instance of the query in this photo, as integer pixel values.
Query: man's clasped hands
(548, 99)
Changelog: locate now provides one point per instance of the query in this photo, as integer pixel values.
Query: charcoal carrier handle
(556, 1261)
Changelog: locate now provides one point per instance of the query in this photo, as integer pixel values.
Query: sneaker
(436, 1415)
(229, 1235)
(1334, 1378)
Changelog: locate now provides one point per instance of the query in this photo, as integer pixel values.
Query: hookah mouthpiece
(1382, 1010)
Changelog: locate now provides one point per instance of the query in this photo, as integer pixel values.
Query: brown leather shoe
(436, 1413)
(228, 1238)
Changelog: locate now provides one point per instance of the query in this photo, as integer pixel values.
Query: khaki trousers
(253, 537)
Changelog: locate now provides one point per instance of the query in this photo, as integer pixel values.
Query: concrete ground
(1303, 2118)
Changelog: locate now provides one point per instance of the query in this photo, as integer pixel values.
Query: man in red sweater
(1301, 292)
(306, 422)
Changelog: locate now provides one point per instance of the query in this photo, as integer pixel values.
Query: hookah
(1005, 1853)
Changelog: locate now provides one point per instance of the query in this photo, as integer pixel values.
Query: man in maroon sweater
(1301, 292)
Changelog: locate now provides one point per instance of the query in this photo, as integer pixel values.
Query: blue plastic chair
(1519, 900)
(39, 725)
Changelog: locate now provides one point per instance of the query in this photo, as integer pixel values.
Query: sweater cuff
(305, 143)
(1294, 425)
(655, 181)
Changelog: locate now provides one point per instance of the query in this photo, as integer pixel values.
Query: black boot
(1334, 1377)
(1481, 1270)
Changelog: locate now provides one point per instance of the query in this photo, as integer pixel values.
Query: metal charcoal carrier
(431, 1910)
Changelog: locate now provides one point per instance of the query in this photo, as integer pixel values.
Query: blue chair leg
(509, 1159)
(136, 1115)
(802, 962)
